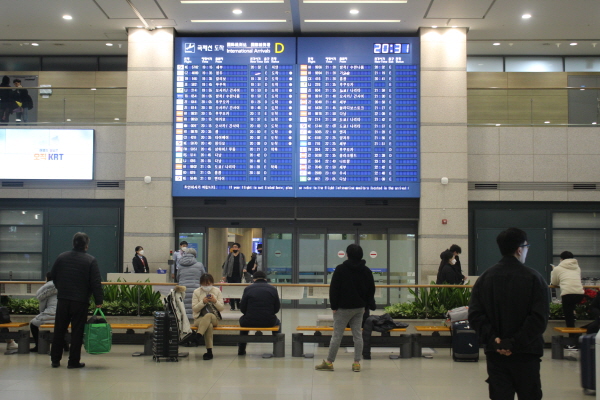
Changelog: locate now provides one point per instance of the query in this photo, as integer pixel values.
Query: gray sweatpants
(341, 318)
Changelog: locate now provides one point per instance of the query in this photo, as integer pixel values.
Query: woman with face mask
(205, 320)
(139, 262)
(447, 273)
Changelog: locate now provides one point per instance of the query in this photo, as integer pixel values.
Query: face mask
(207, 288)
(235, 250)
(523, 255)
(184, 248)
(452, 262)
(141, 252)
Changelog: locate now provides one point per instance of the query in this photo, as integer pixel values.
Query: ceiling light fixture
(546, 122)
(224, 21)
(109, 44)
(354, 11)
(526, 16)
(573, 44)
(237, 11)
(379, 21)
(434, 26)
(229, 1)
(159, 26)
(496, 44)
(356, 1)
(93, 88)
(455, 26)
(593, 123)
(66, 16)
(35, 44)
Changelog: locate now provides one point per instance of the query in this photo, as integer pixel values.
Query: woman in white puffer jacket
(48, 301)
(567, 275)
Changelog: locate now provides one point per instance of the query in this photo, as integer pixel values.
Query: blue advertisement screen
(296, 117)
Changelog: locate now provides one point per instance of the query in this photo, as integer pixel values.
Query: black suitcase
(165, 341)
(465, 342)
(587, 353)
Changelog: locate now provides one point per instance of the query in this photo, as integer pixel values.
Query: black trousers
(516, 374)
(242, 346)
(569, 301)
(74, 313)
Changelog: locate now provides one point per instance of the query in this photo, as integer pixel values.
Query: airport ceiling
(37, 27)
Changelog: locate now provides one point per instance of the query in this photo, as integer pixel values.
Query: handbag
(97, 334)
(209, 308)
(458, 314)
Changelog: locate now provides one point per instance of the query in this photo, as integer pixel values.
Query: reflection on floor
(118, 376)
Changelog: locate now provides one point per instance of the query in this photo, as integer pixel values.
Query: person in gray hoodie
(46, 295)
(188, 275)
(567, 275)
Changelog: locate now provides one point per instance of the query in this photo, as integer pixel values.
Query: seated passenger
(260, 304)
(47, 298)
(205, 318)
(446, 273)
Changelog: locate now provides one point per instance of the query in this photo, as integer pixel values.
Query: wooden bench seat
(559, 342)
(563, 329)
(113, 326)
(14, 325)
(439, 328)
(240, 328)
(330, 329)
(278, 339)
(21, 336)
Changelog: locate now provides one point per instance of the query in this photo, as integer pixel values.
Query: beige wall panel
(148, 219)
(442, 139)
(156, 193)
(152, 49)
(550, 168)
(484, 168)
(483, 140)
(109, 166)
(444, 110)
(150, 109)
(111, 78)
(584, 168)
(78, 193)
(550, 195)
(110, 107)
(516, 168)
(487, 79)
(85, 79)
(431, 221)
(436, 165)
(110, 92)
(443, 49)
(451, 82)
(51, 109)
(484, 195)
(156, 164)
(516, 140)
(148, 83)
(491, 109)
(516, 195)
(583, 195)
(10, 193)
(537, 79)
(550, 140)
(45, 193)
(487, 123)
(551, 108)
(519, 108)
(148, 138)
(79, 107)
(109, 194)
(584, 141)
(110, 139)
(436, 195)
(495, 93)
(217, 251)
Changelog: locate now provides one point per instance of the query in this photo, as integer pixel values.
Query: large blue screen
(296, 117)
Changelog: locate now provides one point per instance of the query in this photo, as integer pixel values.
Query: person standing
(139, 261)
(76, 276)
(260, 305)
(446, 272)
(6, 102)
(256, 261)
(177, 256)
(22, 101)
(351, 290)
(509, 309)
(457, 266)
(188, 275)
(567, 275)
(234, 268)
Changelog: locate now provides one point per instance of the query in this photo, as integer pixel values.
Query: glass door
(336, 250)
(311, 262)
(403, 258)
(279, 258)
(375, 249)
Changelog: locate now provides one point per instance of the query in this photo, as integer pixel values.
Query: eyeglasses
(525, 245)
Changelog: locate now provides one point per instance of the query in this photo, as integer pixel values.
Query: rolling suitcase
(587, 350)
(165, 341)
(465, 342)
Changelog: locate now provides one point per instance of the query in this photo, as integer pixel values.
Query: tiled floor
(118, 376)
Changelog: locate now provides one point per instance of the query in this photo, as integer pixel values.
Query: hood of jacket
(187, 260)
(569, 263)
(355, 264)
(46, 291)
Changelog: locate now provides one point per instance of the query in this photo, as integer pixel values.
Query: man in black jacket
(509, 309)
(76, 276)
(260, 305)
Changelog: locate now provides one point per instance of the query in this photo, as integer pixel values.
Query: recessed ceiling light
(496, 44)
(159, 26)
(355, 20)
(139, 26)
(593, 123)
(546, 122)
(109, 44)
(228, 1)
(93, 88)
(116, 119)
(354, 11)
(498, 124)
(35, 44)
(455, 26)
(355, 1)
(573, 44)
(434, 26)
(526, 16)
(68, 119)
(225, 21)
(237, 11)
(66, 16)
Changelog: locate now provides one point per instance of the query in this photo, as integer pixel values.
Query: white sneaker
(12, 346)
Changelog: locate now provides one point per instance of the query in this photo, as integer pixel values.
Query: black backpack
(4, 315)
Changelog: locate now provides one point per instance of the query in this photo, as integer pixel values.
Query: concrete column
(149, 207)
(443, 147)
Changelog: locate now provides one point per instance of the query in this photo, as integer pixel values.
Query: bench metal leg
(44, 342)
(558, 352)
(147, 345)
(279, 345)
(23, 342)
(297, 345)
(406, 348)
(416, 349)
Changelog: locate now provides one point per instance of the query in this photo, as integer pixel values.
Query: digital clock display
(391, 48)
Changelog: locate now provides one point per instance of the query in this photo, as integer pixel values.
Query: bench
(435, 340)
(278, 339)
(298, 339)
(559, 341)
(45, 337)
(21, 336)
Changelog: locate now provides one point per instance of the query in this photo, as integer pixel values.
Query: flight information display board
(296, 117)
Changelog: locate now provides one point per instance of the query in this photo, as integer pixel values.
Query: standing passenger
(188, 275)
(76, 276)
(6, 102)
(509, 309)
(177, 256)
(351, 290)
(446, 272)
(234, 268)
(457, 266)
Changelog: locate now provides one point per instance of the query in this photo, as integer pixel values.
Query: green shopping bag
(97, 335)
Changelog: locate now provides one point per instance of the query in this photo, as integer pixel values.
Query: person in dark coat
(446, 272)
(6, 101)
(139, 261)
(188, 275)
(260, 305)
(234, 269)
(76, 276)
(457, 266)
(509, 309)
(351, 290)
